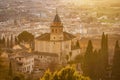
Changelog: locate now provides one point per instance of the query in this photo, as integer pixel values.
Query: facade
(43, 61)
(22, 62)
(57, 41)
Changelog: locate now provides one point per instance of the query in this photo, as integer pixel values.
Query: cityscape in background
(37, 35)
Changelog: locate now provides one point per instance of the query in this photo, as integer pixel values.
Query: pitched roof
(68, 36)
(25, 54)
(46, 36)
(22, 54)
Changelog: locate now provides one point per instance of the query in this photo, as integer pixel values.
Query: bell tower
(56, 29)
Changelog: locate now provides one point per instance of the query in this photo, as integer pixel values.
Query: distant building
(57, 41)
(22, 62)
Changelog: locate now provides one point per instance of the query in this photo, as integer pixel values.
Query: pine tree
(116, 63)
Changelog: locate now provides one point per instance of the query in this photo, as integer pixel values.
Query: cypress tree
(0, 40)
(87, 68)
(103, 42)
(89, 49)
(116, 63)
(77, 44)
(16, 41)
(8, 43)
(95, 65)
(16, 78)
(104, 56)
(11, 41)
(3, 41)
(10, 72)
(70, 55)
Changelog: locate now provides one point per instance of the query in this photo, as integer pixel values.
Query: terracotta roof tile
(46, 36)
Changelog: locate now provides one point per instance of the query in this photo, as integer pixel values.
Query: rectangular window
(52, 30)
(56, 30)
(67, 46)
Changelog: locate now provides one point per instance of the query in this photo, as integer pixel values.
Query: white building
(23, 62)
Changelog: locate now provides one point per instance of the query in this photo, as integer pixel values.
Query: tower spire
(57, 21)
(57, 18)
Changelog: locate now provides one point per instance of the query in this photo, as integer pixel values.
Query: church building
(57, 41)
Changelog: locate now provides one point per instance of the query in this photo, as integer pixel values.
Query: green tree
(95, 65)
(1, 65)
(0, 51)
(104, 56)
(116, 63)
(47, 75)
(67, 58)
(79, 59)
(67, 73)
(0, 40)
(16, 40)
(10, 72)
(87, 68)
(53, 66)
(8, 43)
(77, 44)
(55, 76)
(70, 55)
(16, 78)
(25, 37)
(3, 41)
(11, 41)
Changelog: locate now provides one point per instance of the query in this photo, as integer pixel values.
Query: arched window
(53, 37)
(56, 30)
